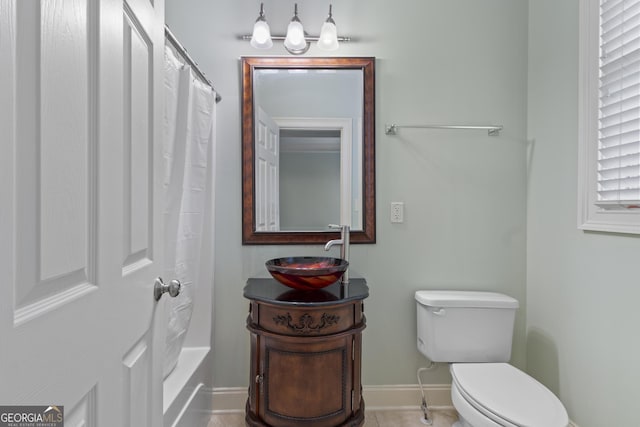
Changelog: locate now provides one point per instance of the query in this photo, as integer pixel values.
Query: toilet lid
(501, 391)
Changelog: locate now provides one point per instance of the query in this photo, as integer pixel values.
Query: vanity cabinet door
(306, 380)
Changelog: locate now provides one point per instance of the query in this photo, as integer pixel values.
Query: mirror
(308, 149)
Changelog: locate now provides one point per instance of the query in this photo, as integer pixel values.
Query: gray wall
(438, 61)
(582, 288)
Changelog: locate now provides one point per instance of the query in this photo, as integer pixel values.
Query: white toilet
(473, 331)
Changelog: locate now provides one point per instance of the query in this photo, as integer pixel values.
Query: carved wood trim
(305, 323)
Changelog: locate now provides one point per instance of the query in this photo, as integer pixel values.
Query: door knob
(160, 288)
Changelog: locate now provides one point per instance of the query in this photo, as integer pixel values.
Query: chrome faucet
(344, 247)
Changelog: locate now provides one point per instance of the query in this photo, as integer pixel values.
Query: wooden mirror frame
(249, 234)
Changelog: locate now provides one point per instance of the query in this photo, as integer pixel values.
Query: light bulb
(328, 37)
(295, 36)
(261, 38)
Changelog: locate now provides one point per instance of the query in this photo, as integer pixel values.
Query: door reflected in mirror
(308, 149)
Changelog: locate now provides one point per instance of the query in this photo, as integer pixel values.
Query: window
(609, 116)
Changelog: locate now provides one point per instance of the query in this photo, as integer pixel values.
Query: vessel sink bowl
(307, 273)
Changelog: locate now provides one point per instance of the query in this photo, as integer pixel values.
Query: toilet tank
(461, 326)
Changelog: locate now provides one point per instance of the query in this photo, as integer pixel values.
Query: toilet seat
(507, 395)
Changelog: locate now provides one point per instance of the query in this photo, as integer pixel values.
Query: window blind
(619, 104)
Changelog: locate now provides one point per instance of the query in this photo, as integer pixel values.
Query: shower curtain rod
(494, 130)
(194, 65)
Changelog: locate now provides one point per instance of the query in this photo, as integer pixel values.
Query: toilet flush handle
(439, 311)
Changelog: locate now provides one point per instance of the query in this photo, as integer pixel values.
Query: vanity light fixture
(328, 34)
(297, 41)
(261, 37)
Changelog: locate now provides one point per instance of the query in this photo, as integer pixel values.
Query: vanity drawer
(306, 321)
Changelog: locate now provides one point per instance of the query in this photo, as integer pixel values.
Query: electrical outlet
(397, 212)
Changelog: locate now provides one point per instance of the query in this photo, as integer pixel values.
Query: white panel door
(267, 177)
(80, 247)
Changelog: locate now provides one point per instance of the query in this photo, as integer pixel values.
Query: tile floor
(406, 418)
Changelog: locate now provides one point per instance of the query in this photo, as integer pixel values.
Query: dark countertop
(271, 291)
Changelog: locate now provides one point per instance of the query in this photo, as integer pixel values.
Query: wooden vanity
(306, 349)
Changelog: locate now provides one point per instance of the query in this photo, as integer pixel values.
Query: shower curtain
(189, 146)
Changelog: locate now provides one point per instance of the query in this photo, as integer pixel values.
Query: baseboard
(376, 398)
(406, 396)
(379, 398)
(228, 399)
